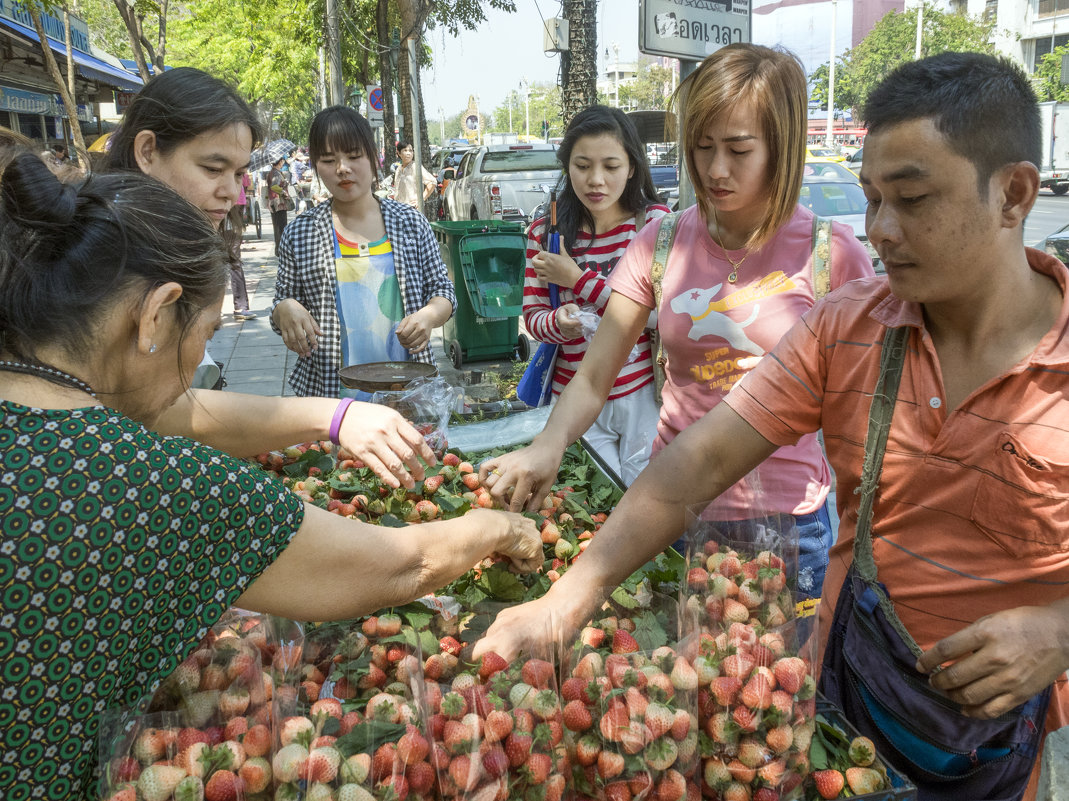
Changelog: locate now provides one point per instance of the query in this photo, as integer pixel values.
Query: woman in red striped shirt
(607, 196)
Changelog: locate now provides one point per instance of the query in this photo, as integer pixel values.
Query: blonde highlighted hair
(773, 83)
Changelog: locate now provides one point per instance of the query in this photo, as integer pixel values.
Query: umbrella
(270, 153)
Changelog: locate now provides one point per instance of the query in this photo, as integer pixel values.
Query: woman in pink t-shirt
(738, 276)
(607, 197)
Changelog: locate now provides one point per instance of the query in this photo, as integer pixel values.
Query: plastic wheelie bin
(486, 261)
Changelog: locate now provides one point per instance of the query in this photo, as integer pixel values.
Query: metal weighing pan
(384, 376)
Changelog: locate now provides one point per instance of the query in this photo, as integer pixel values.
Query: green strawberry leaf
(366, 737)
(390, 521)
(649, 632)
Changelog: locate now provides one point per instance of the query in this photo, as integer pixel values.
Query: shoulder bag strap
(666, 234)
(880, 413)
(821, 257)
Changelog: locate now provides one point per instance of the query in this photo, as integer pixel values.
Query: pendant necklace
(48, 373)
(733, 276)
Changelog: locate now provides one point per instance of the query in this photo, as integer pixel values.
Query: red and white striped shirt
(596, 257)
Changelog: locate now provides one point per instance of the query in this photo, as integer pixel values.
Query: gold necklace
(733, 276)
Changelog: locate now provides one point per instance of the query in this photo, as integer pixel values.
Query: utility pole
(920, 30)
(417, 145)
(829, 137)
(337, 84)
(322, 87)
(527, 106)
(616, 91)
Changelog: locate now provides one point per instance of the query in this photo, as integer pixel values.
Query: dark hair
(983, 105)
(639, 192)
(69, 250)
(179, 105)
(341, 129)
(402, 144)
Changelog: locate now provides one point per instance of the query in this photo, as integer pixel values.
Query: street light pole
(527, 106)
(616, 95)
(512, 93)
(441, 122)
(829, 138)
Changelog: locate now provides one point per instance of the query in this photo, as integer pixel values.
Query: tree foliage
(890, 43)
(650, 88)
(1048, 78)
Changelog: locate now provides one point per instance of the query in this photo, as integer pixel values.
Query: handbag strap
(666, 235)
(880, 413)
(821, 257)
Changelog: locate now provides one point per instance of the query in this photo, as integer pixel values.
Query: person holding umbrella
(278, 198)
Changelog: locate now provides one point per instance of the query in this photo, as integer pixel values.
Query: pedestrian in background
(360, 278)
(407, 187)
(739, 273)
(606, 198)
(277, 185)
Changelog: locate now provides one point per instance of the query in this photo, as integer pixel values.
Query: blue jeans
(815, 538)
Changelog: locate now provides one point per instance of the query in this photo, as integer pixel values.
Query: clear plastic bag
(427, 404)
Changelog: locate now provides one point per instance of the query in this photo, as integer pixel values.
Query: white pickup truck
(501, 182)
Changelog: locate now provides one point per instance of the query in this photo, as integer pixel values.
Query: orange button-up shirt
(972, 511)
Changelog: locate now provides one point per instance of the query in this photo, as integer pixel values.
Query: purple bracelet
(339, 415)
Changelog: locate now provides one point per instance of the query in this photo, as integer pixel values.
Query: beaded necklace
(48, 373)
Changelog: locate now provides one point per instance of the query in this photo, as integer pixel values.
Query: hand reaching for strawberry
(387, 443)
(1001, 660)
(520, 543)
(521, 477)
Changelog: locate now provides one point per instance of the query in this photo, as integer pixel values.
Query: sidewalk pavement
(256, 362)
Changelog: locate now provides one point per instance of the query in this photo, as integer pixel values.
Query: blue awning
(87, 66)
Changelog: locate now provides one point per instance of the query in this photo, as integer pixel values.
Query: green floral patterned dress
(119, 549)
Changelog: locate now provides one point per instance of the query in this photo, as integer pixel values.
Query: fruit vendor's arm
(336, 568)
(532, 470)
(1001, 660)
(245, 425)
(699, 464)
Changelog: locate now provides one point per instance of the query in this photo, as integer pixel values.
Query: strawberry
(420, 778)
(412, 746)
(765, 794)
(257, 740)
(384, 761)
(453, 705)
(863, 780)
(610, 764)
(191, 788)
(321, 765)
(735, 611)
(587, 749)
(255, 775)
(124, 769)
(491, 663)
(450, 460)
(394, 786)
(715, 773)
(497, 726)
(538, 767)
(545, 704)
(862, 752)
(389, 625)
(780, 738)
(457, 736)
(744, 718)
(623, 642)
(495, 763)
(736, 791)
(460, 770)
(750, 595)
(431, 484)
(355, 769)
(157, 782)
(285, 766)
(829, 783)
(576, 716)
(537, 673)
(450, 645)
(192, 759)
(790, 673)
(671, 787)
(354, 792)
(233, 702)
(740, 772)
(590, 666)
(326, 708)
(149, 746)
(235, 728)
(659, 719)
(617, 791)
(738, 665)
(771, 773)
(661, 754)
(471, 481)
(614, 721)
(725, 689)
(426, 510)
(752, 754)
(592, 637)
(518, 748)
(296, 729)
(757, 694)
(223, 785)
(782, 705)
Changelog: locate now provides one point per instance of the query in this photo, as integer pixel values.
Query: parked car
(821, 153)
(443, 167)
(501, 182)
(830, 169)
(853, 161)
(842, 201)
(1057, 244)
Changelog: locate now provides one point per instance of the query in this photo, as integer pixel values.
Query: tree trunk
(161, 40)
(133, 30)
(413, 15)
(579, 64)
(382, 32)
(53, 68)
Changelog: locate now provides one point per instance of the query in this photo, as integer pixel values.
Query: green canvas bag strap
(666, 235)
(880, 413)
(821, 257)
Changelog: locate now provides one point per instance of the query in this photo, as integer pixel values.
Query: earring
(152, 349)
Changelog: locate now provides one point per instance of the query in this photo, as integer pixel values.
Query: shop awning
(88, 66)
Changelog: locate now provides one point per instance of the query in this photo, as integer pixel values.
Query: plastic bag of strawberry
(354, 690)
(630, 702)
(496, 727)
(427, 404)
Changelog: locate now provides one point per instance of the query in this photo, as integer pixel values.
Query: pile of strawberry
(756, 693)
(844, 765)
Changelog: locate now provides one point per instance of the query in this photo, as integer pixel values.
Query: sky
(492, 60)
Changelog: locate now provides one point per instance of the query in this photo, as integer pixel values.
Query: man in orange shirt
(970, 527)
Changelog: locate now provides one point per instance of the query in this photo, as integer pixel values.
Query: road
(1048, 215)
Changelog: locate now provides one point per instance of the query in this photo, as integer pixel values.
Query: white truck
(1054, 169)
(502, 182)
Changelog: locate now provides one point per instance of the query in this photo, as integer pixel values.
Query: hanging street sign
(691, 29)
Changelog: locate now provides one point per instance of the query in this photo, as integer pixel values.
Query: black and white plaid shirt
(306, 273)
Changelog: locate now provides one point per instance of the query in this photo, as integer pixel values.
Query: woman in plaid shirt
(360, 278)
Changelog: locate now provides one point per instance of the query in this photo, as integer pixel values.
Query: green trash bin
(486, 262)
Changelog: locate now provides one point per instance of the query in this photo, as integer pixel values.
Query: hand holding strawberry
(387, 443)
